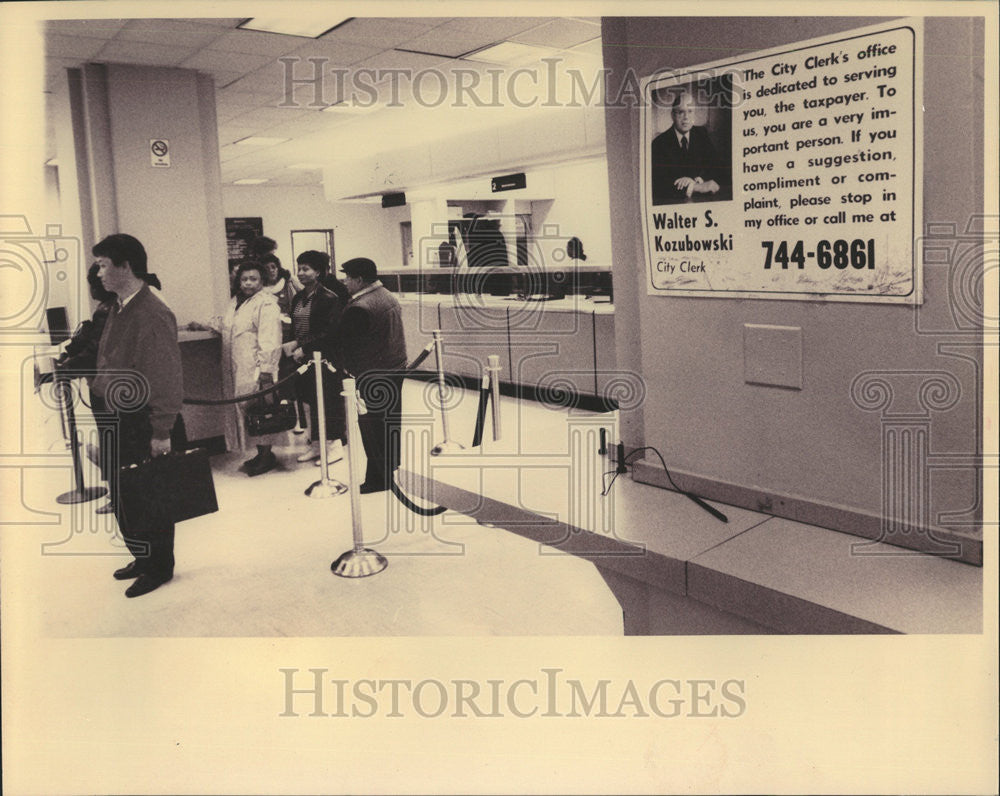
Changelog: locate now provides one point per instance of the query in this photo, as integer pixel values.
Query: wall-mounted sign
(510, 182)
(239, 233)
(792, 173)
(159, 153)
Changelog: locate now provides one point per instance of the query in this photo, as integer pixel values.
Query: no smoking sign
(159, 152)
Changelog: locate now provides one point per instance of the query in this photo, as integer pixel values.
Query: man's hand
(160, 447)
(298, 355)
(693, 185)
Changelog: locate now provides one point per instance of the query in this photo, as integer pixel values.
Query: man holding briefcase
(139, 377)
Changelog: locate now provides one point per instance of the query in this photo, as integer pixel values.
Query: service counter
(549, 346)
(201, 360)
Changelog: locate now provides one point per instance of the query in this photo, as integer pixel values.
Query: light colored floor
(261, 565)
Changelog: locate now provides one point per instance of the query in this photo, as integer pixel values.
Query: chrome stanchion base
(84, 495)
(359, 564)
(448, 446)
(326, 489)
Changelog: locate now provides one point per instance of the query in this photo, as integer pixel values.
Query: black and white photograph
(498, 398)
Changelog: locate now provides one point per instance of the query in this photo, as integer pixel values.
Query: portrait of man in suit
(686, 166)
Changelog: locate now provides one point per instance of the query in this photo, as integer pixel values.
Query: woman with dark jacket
(315, 314)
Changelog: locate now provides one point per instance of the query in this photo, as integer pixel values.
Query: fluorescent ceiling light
(255, 181)
(293, 26)
(259, 140)
(306, 166)
(509, 53)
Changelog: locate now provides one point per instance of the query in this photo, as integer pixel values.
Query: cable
(690, 495)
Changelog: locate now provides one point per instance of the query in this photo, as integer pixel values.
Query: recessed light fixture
(509, 53)
(306, 166)
(293, 26)
(249, 181)
(260, 140)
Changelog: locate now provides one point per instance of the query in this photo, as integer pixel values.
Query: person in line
(139, 338)
(372, 347)
(684, 163)
(251, 343)
(315, 317)
(283, 287)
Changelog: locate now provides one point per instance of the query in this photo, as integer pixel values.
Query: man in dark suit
(684, 162)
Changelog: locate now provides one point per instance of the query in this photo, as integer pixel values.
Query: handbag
(262, 418)
(174, 488)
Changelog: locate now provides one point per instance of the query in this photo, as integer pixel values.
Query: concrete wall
(814, 444)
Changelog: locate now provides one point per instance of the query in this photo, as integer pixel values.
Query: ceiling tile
(58, 46)
(262, 118)
(230, 22)
(175, 32)
(560, 33)
(449, 42)
(378, 32)
(337, 53)
(257, 43)
(135, 52)
(499, 27)
(396, 59)
(216, 61)
(97, 28)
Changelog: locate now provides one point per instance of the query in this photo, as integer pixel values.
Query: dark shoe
(145, 584)
(128, 572)
(262, 465)
(107, 508)
(367, 489)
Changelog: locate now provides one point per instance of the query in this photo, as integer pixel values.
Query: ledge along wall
(812, 453)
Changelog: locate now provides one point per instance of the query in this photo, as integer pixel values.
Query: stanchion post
(82, 493)
(360, 561)
(326, 486)
(493, 368)
(446, 444)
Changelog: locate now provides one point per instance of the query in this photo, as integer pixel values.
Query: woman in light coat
(251, 341)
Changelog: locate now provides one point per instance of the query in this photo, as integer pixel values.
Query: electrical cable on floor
(689, 495)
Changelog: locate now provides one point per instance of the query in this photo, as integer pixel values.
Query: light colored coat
(251, 342)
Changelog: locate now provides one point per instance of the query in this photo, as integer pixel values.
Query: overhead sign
(510, 182)
(159, 152)
(792, 173)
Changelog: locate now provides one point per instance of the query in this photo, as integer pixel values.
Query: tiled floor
(261, 565)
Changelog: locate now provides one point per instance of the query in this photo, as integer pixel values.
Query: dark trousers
(149, 533)
(380, 427)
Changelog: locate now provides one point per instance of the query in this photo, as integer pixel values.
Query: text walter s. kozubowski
(313, 693)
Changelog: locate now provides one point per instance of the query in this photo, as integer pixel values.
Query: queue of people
(356, 325)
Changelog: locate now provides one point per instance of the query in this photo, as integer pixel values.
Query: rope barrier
(484, 399)
(423, 512)
(252, 395)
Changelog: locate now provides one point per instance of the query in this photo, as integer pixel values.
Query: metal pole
(326, 486)
(82, 493)
(494, 370)
(446, 444)
(360, 561)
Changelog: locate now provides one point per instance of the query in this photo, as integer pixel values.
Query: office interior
(830, 529)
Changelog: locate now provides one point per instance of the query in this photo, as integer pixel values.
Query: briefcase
(269, 418)
(172, 488)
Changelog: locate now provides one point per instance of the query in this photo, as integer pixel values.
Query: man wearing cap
(372, 347)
